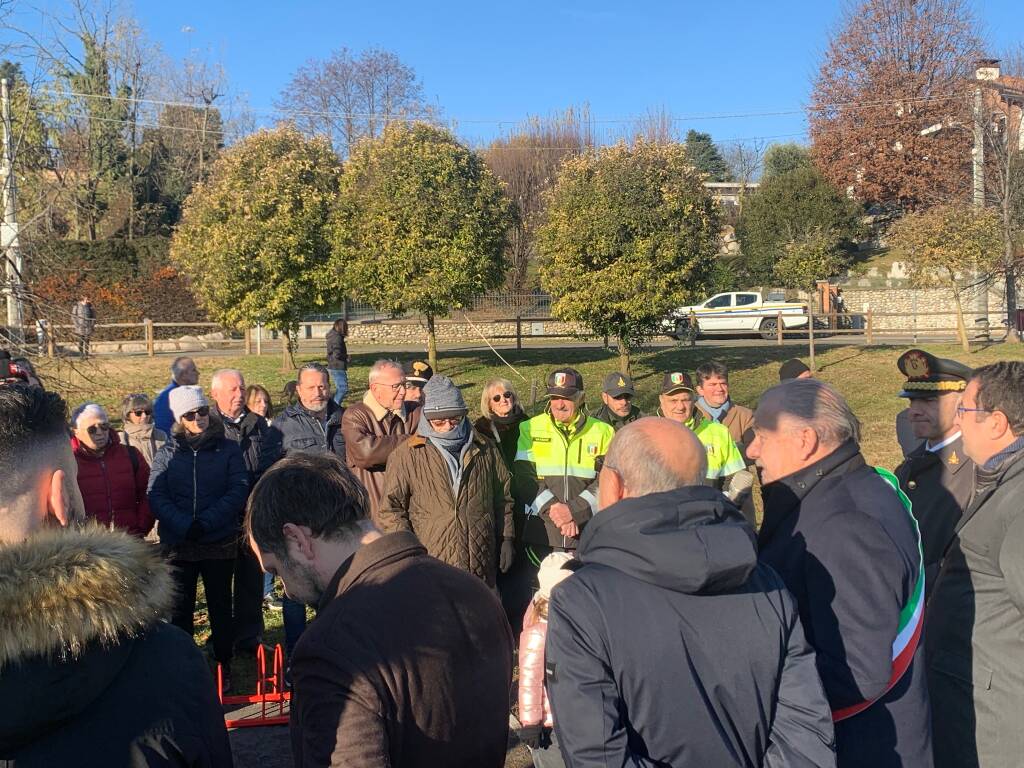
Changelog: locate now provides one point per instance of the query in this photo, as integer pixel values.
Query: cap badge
(419, 367)
(916, 365)
(622, 382)
(560, 379)
(676, 378)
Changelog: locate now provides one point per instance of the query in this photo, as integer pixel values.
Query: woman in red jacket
(112, 477)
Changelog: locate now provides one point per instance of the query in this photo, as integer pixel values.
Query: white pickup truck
(738, 312)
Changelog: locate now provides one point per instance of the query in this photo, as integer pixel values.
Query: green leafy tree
(421, 223)
(253, 237)
(944, 246)
(630, 234)
(787, 209)
(814, 256)
(705, 156)
(782, 158)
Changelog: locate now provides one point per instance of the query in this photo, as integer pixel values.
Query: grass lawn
(867, 376)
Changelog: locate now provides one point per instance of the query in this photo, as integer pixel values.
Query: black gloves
(535, 736)
(508, 554)
(195, 531)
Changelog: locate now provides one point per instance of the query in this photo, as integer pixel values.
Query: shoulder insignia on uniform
(953, 458)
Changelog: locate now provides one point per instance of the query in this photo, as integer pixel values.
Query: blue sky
(489, 65)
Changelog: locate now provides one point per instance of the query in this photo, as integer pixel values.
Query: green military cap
(928, 375)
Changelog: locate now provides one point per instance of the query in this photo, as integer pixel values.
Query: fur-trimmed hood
(63, 590)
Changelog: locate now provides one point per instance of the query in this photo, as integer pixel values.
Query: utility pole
(9, 232)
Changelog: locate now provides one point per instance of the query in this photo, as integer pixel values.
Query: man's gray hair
(644, 469)
(318, 367)
(88, 409)
(179, 365)
(224, 372)
(383, 365)
(818, 406)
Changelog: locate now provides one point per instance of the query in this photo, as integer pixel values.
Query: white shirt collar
(939, 446)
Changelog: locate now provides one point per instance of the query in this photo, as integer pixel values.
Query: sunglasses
(503, 396)
(95, 429)
(450, 422)
(191, 415)
(142, 412)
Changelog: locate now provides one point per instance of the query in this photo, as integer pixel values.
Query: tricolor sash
(911, 617)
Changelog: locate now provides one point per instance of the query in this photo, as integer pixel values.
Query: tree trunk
(961, 327)
(431, 343)
(623, 356)
(287, 362)
(1011, 290)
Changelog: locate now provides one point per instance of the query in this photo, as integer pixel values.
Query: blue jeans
(268, 584)
(340, 379)
(294, 623)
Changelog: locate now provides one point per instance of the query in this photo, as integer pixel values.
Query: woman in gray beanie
(449, 485)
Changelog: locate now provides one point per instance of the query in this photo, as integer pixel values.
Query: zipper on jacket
(195, 484)
(110, 500)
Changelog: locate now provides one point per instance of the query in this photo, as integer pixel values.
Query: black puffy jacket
(209, 483)
(672, 646)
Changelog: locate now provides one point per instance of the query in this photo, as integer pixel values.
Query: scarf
(716, 414)
(513, 416)
(996, 462)
(451, 445)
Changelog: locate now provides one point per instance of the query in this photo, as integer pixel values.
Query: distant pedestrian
(338, 359)
(83, 322)
(417, 374)
(42, 335)
(183, 374)
(449, 485)
(409, 661)
(617, 393)
(138, 429)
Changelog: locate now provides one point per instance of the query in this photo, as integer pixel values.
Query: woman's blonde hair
(540, 606)
(485, 397)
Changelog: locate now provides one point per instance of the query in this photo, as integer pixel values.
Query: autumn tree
(787, 210)
(629, 234)
(350, 96)
(527, 161)
(944, 246)
(253, 237)
(421, 224)
(706, 157)
(894, 68)
(811, 256)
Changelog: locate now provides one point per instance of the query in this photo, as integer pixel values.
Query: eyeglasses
(95, 429)
(503, 396)
(960, 410)
(142, 412)
(454, 422)
(201, 411)
(393, 387)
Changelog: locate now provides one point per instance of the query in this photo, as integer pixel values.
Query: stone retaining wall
(406, 332)
(917, 307)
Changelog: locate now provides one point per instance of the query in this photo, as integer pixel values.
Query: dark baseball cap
(676, 381)
(564, 382)
(618, 384)
(792, 369)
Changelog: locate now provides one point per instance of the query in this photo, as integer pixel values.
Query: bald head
(651, 455)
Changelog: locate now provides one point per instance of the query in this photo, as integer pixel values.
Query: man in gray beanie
(448, 466)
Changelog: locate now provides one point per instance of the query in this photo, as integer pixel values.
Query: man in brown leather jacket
(374, 427)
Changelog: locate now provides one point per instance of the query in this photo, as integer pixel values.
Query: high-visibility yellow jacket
(555, 463)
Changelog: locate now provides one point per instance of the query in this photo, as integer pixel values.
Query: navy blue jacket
(841, 540)
(296, 431)
(210, 484)
(673, 646)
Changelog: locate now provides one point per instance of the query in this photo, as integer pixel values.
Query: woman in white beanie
(197, 490)
(537, 730)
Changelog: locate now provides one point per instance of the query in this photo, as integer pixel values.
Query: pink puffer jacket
(533, 699)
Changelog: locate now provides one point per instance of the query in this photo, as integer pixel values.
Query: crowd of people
(709, 585)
